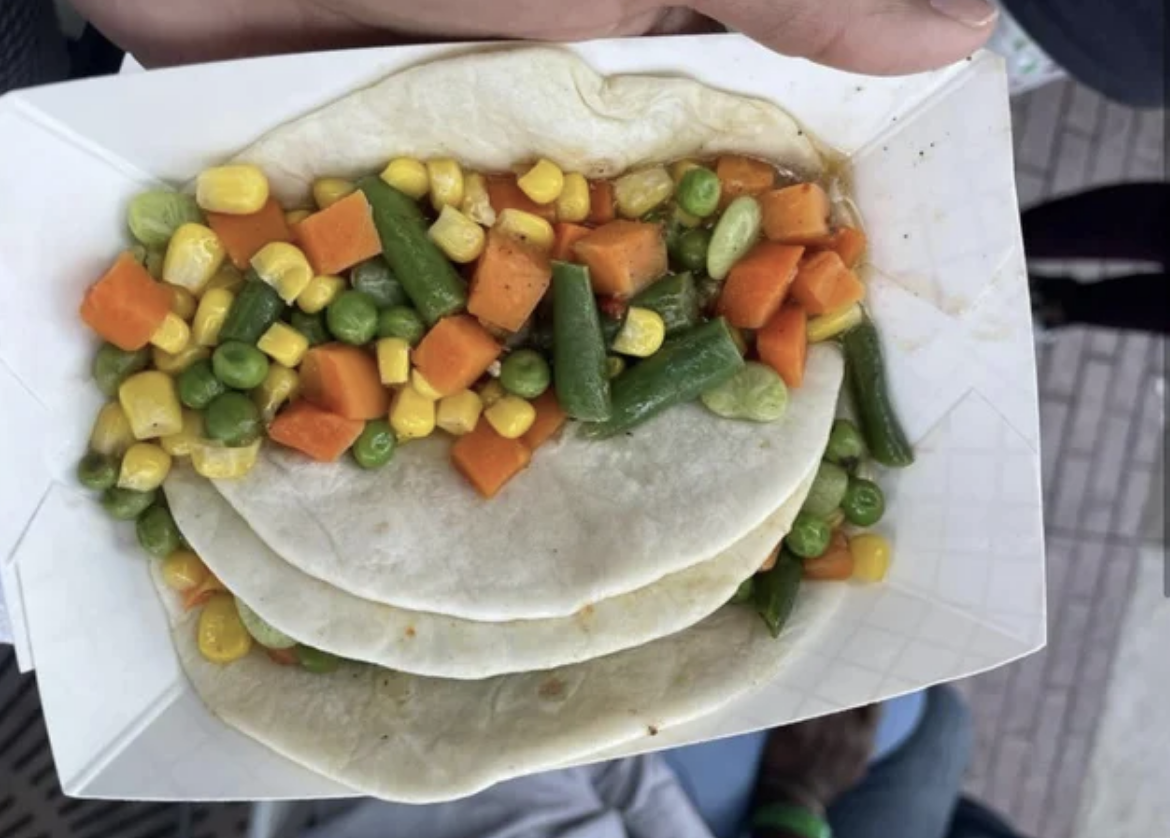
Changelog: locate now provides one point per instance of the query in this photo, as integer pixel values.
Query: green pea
(615, 365)
(690, 249)
(809, 536)
(239, 365)
(312, 326)
(846, 446)
(157, 532)
(401, 322)
(698, 192)
(233, 419)
(112, 366)
(198, 385)
(376, 445)
(97, 471)
(525, 373)
(262, 632)
(315, 660)
(353, 318)
(827, 490)
(864, 502)
(375, 279)
(745, 591)
(126, 504)
(755, 393)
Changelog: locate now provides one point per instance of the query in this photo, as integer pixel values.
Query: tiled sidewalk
(1101, 426)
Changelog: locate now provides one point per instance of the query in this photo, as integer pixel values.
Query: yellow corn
(182, 570)
(511, 416)
(173, 364)
(685, 218)
(460, 238)
(871, 557)
(423, 387)
(319, 293)
(615, 365)
(477, 204)
(294, 217)
(222, 635)
(573, 203)
(172, 335)
(330, 190)
(446, 182)
(194, 254)
(182, 303)
(228, 277)
(408, 176)
(283, 344)
(144, 467)
(213, 310)
(285, 268)
(526, 227)
(679, 168)
(151, 404)
(412, 415)
(111, 434)
(179, 445)
(279, 386)
(639, 192)
(219, 462)
(834, 323)
(238, 189)
(543, 182)
(393, 360)
(491, 393)
(642, 334)
(458, 413)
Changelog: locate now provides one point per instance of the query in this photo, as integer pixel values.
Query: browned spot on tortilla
(652, 730)
(382, 528)
(552, 689)
(586, 612)
(410, 631)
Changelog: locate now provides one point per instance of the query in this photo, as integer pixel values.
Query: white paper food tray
(933, 180)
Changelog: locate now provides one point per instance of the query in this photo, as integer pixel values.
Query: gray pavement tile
(1064, 366)
(1034, 145)
(1061, 807)
(1127, 522)
(1084, 110)
(1113, 146)
(1072, 164)
(1103, 343)
(1066, 646)
(1069, 491)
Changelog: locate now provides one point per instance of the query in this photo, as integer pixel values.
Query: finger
(880, 37)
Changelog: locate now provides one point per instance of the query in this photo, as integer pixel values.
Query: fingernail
(974, 13)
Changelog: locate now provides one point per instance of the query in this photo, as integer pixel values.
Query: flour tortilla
(318, 614)
(417, 739)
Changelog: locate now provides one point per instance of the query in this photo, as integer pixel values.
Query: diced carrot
(836, 563)
(742, 176)
(770, 561)
(194, 597)
(815, 286)
(504, 193)
(510, 278)
(243, 235)
(549, 419)
(601, 202)
(487, 459)
(849, 290)
(783, 344)
(796, 214)
(623, 256)
(758, 284)
(340, 236)
(126, 305)
(344, 380)
(567, 235)
(284, 657)
(314, 431)
(849, 242)
(454, 353)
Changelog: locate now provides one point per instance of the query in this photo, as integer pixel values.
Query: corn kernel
(329, 190)
(543, 182)
(319, 293)
(460, 238)
(615, 365)
(209, 317)
(477, 204)
(458, 413)
(216, 461)
(642, 334)
(182, 570)
(111, 434)
(238, 189)
(829, 325)
(228, 277)
(179, 445)
(144, 467)
(679, 168)
(172, 335)
(285, 268)
(423, 387)
(491, 393)
(151, 404)
(294, 217)
(408, 176)
(511, 417)
(573, 203)
(639, 192)
(221, 634)
(279, 386)
(173, 364)
(412, 415)
(393, 360)
(685, 218)
(283, 344)
(871, 557)
(182, 303)
(526, 227)
(194, 254)
(446, 182)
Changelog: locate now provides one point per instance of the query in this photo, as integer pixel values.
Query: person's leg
(1140, 302)
(912, 793)
(1126, 221)
(647, 794)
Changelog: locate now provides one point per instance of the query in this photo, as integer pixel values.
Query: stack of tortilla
(582, 608)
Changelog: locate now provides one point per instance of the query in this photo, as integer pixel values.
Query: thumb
(878, 37)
